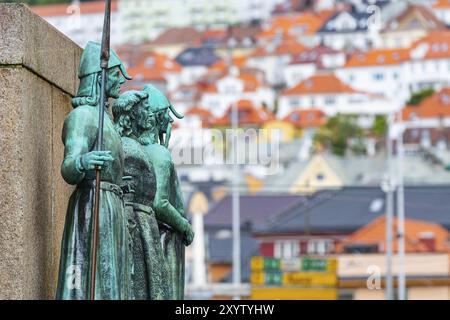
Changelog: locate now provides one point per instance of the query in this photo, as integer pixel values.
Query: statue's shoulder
(131, 146)
(160, 153)
(84, 113)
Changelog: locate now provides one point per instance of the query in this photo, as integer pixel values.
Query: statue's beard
(147, 137)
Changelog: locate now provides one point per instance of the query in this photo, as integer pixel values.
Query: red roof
(436, 106)
(153, 66)
(295, 24)
(251, 82)
(319, 84)
(309, 118)
(205, 115)
(436, 45)
(375, 233)
(378, 57)
(187, 35)
(61, 9)
(441, 4)
(248, 114)
(287, 46)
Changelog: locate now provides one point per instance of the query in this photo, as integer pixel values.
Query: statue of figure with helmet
(154, 203)
(78, 168)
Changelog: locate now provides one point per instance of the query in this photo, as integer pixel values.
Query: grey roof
(202, 56)
(360, 17)
(370, 171)
(254, 209)
(364, 171)
(348, 209)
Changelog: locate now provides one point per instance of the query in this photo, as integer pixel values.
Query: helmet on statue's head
(90, 61)
(157, 101)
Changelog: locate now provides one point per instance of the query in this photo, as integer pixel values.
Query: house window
(378, 76)
(286, 249)
(330, 100)
(320, 247)
(294, 101)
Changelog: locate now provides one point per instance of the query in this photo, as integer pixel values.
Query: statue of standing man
(157, 222)
(78, 168)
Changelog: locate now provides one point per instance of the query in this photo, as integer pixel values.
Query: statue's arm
(179, 201)
(78, 135)
(164, 210)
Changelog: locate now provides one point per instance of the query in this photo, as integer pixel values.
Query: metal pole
(236, 206)
(389, 213)
(104, 60)
(401, 215)
(236, 214)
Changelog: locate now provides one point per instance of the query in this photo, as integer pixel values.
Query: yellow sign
(257, 263)
(292, 293)
(310, 279)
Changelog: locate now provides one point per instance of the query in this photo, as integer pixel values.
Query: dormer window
(445, 99)
(149, 62)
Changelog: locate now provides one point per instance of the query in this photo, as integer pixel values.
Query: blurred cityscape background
(358, 206)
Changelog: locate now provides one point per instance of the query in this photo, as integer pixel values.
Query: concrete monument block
(38, 77)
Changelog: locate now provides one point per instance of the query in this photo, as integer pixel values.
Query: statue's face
(114, 83)
(166, 121)
(144, 117)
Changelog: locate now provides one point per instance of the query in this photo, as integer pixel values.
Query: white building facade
(145, 20)
(82, 22)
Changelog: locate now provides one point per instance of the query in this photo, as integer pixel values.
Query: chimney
(428, 239)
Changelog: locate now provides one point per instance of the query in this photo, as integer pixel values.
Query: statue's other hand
(93, 159)
(188, 235)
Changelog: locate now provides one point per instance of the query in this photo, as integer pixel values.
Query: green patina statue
(78, 168)
(154, 204)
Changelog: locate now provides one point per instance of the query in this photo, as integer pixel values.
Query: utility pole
(400, 213)
(236, 215)
(389, 212)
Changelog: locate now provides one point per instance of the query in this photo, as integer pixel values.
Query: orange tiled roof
(436, 43)
(153, 66)
(205, 115)
(436, 106)
(309, 118)
(302, 23)
(288, 45)
(441, 4)
(248, 114)
(251, 82)
(319, 84)
(61, 9)
(378, 57)
(375, 233)
(429, 19)
(222, 65)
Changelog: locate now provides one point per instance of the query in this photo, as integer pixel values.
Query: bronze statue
(155, 208)
(78, 168)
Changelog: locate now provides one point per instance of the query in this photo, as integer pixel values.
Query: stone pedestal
(38, 77)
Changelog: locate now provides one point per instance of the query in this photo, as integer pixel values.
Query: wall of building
(38, 76)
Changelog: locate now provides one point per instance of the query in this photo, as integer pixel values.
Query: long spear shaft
(104, 61)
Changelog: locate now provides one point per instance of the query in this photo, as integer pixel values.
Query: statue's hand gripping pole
(104, 61)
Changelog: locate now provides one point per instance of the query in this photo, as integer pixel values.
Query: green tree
(339, 134)
(380, 126)
(418, 97)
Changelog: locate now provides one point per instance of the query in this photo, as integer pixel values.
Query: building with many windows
(146, 19)
(82, 21)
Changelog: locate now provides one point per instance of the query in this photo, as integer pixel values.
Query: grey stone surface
(34, 100)
(27, 39)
